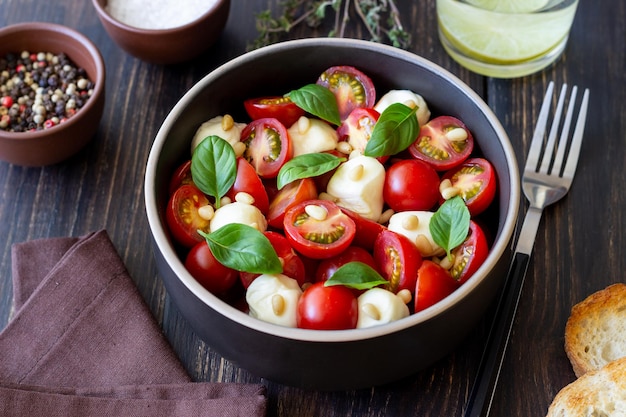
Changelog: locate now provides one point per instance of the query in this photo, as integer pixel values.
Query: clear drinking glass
(505, 38)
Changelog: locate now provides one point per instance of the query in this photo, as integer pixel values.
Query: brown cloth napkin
(82, 342)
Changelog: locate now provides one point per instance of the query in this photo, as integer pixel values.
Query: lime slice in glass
(502, 38)
(510, 6)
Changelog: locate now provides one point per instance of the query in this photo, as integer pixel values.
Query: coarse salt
(158, 14)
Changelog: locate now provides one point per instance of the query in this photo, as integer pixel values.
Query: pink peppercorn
(6, 101)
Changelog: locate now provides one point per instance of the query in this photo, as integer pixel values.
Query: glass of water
(505, 38)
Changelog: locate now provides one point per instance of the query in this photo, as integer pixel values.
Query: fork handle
(479, 402)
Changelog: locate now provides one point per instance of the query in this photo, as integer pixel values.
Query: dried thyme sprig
(381, 19)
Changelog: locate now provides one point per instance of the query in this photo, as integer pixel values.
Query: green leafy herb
(306, 166)
(377, 19)
(317, 100)
(244, 248)
(450, 224)
(396, 129)
(214, 167)
(356, 275)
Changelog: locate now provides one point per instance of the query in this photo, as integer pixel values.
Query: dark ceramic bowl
(167, 46)
(49, 146)
(346, 359)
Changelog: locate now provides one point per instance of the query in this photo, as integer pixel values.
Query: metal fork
(544, 182)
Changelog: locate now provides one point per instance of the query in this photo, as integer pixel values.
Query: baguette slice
(599, 393)
(595, 333)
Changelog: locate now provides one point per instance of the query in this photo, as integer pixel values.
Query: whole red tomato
(327, 308)
(207, 270)
(411, 184)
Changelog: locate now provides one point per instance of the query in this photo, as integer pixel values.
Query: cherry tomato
(290, 195)
(411, 184)
(326, 233)
(398, 259)
(328, 267)
(248, 181)
(470, 254)
(207, 270)
(366, 230)
(351, 87)
(181, 176)
(182, 215)
(434, 283)
(327, 308)
(268, 146)
(278, 107)
(357, 129)
(441, 144)
(293, 267)
(476, 179)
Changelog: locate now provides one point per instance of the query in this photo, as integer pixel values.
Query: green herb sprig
(214, 167)
(450, 224)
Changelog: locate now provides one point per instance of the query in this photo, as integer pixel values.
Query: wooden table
(580, 246)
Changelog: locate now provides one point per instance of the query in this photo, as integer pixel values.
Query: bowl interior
(280, 68)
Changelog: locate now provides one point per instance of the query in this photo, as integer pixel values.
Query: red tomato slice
(291, 194)
(476, 179)
(293, 267)
(411, 184)
(325, 234)
(248, 181)
(207, 270)
(398, 260)
(470, 255)
(182, 215)
(440, 148)
(366, 230)
(328, 267)
(327, 308)
(181, 176)
(434, 283)
(268, 146)
(351, 87)
(357, 129)
(278, 107)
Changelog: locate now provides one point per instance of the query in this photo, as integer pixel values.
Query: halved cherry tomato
(326, 233)
(434, 283)
(293, 267)
(290, 195)
(278, 107)
(328, 267)
(441, 144)
(357, 129)
(351, 87)
(411, 184)
(248, 181)
(398, 259)
(476, 180)
(366, 230)
(470, 254)
(181, 176)
(208, 271)
(268, 146)
(182, 215)
(327, 308)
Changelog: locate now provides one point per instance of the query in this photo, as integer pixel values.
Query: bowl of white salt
(166, 31)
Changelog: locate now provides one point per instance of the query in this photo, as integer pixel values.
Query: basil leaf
(356, 275)
(243, 248)
(306, 166)
(214, 167)
(317, 100)
(396, 129)
(450, 224)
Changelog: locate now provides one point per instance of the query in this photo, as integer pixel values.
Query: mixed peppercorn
(40, 90)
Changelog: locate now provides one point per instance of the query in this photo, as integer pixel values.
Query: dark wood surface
(580, 246)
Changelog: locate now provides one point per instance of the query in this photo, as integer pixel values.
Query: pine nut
(319, 213)
(227, 122)
(206, 212)
(405, 295)
(239, 148)
(458, 134)
(243, 197)
(344, 147)
(411, 222)
(278, 304)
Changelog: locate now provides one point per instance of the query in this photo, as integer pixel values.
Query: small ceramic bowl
(57, 143)
(339, 359)
(169, 45)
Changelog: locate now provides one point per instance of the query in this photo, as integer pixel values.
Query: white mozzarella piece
(312, 136)
(379, 306)
(357, 185)
(274, 298)
(216, 127)
(408, 98)
(237, 212)
(415, 226)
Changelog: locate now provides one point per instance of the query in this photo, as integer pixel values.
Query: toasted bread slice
(595, 333)
(599, 393)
